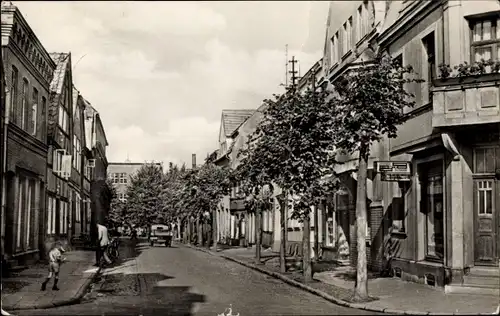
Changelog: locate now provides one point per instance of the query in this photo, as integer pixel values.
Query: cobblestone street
(183, 281)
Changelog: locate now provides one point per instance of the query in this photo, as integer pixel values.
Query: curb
(74, 300)
(324, 295)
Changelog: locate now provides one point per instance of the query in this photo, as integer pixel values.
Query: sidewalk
(22, 290)
(391, 295)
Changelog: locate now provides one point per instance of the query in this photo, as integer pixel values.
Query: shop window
(432, 205)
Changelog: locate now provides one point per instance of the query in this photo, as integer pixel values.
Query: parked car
(160, 234)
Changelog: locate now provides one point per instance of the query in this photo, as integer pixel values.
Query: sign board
(393, 171)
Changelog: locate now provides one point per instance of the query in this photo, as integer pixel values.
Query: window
(24, 104)
(333, 55)
(348, 38)
(484, 160)
(398, 62)
(345, 35)
(123, 177)
(330, 227)
(14, 86)
(78, 215)
(430, 50)
(338, 47)
(485, 39)
(77, 158)
(63, 217)
(34, 112)
(57, 160)
(484, 197)
(431, 184)
(362, 21)
(26, 213)
(51, 217)
(63, 118)
(43, 116)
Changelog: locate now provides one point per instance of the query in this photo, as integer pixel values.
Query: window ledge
(346, 55)
(399, 234)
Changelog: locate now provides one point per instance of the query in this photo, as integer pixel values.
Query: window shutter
(413, 56)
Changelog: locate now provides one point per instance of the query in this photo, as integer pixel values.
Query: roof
(62, 63)
(232, 119)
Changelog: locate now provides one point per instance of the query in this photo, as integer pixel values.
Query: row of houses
(53, 147)
(441, 223)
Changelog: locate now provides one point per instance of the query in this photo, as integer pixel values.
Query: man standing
(103, 243)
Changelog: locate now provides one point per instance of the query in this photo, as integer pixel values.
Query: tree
(370, 104)
(144, 196)
(292, 147)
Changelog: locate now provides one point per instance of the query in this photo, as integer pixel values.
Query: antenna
(293, 72)
(286, 68)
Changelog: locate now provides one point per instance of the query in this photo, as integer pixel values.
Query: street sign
(393, 171)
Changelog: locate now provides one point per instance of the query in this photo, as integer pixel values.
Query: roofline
(133, 163)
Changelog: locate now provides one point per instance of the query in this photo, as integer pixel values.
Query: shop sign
(393, 171)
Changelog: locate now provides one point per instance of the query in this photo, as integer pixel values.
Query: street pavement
(182, 281)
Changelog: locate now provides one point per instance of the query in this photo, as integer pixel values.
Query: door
(486, 221)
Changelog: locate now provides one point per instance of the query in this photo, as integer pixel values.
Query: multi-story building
(60, 129)
(231, 209)
(352, 29)
(446, 220)
(29, 71)
(79, 181)
(120, 174)
(96, 143)
(3, 141)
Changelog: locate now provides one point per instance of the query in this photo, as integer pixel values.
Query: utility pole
(293, 72)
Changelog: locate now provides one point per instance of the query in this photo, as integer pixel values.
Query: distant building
(120, 174)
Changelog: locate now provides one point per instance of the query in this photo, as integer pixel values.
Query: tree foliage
(292, 147)
(144, 196)
(370, 103)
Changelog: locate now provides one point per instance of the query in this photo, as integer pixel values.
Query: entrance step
(462, 289)
(479, 280)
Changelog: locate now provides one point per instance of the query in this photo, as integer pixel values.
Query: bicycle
(112, 249)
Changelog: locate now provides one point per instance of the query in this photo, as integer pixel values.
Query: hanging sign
(394, 171)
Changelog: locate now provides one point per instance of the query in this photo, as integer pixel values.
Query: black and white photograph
(237, 158)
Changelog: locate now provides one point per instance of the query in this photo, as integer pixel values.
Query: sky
(160, 73)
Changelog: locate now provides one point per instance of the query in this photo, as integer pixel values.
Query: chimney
(193, 159)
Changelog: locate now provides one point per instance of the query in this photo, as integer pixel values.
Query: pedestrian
(103, 243)
(55, 261)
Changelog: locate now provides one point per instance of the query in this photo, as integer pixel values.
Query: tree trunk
(284, 228)
(258, 234)
(199, 240)
(214, 229)
(189, 235)
(316, 233)
(306, 250)
(361, 290)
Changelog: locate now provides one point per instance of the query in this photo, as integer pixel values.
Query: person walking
(55, 261)
(103, 243)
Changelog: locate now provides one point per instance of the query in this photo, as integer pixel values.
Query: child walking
(55, 260)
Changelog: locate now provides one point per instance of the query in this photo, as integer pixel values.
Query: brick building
(29, 71)
(3, 141)
(120, 174)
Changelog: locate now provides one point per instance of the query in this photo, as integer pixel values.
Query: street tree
(144, 196)
(370, 105)
(292, 147)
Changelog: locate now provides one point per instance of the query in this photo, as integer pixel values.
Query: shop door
(486, 192)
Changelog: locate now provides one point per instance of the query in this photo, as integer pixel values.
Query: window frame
(493, 42)
(14, 93)
(34, 111)
(24, 104)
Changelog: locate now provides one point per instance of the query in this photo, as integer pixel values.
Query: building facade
(231, 209)
(59, 172)
(29, 71)
(447, 223)
(121, 173)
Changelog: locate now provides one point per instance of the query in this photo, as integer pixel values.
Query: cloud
(160, 73)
